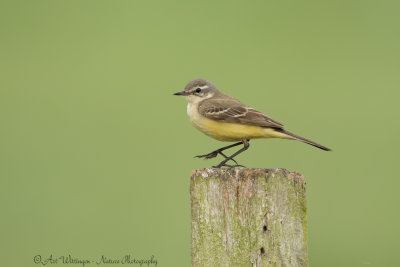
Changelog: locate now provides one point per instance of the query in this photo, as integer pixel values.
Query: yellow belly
(224, 131)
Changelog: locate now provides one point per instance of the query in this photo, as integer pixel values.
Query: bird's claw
(214, 154)
(229, 166)
(209, 156)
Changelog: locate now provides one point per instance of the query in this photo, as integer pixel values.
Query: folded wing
(234, 111)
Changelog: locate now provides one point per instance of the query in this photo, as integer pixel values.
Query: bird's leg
(218, 151)
(225, 156)
(246, 145)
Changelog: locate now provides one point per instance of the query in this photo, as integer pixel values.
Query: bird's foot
(229, 166)
(214, 154)
(209, 155)
(224, 163)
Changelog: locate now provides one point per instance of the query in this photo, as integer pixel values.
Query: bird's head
(198, 90)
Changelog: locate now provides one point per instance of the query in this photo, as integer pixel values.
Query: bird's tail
(296, 137)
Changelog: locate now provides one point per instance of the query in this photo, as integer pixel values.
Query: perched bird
(227, 119)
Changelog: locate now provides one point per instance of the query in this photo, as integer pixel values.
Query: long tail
(304, 140)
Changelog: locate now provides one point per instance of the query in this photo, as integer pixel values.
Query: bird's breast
(196, 118)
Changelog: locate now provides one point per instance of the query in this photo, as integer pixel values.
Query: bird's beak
(180, 93)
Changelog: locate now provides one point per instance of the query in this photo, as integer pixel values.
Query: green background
(96, 153)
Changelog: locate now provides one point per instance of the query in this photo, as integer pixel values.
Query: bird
(226, 119)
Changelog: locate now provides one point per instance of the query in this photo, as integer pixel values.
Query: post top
(245, 172)
(215, 171)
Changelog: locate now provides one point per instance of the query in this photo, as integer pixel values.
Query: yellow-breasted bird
(227, 119)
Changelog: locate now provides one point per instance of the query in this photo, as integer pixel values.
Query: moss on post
(248, 217)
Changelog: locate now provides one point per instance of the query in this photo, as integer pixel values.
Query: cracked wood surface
(248, 217)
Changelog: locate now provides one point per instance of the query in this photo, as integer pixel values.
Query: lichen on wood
(248, 217)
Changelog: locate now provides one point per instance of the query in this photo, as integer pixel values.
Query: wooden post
(248, 217)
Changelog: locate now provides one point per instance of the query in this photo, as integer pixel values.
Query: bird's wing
(234, 111)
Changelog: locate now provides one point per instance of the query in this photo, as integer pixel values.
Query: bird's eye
(198, 90)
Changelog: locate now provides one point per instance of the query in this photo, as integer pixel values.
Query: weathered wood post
(248, 217)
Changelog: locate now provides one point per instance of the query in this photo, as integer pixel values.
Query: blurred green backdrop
(96, 153)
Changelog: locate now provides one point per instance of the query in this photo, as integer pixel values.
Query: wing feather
(234, 111)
